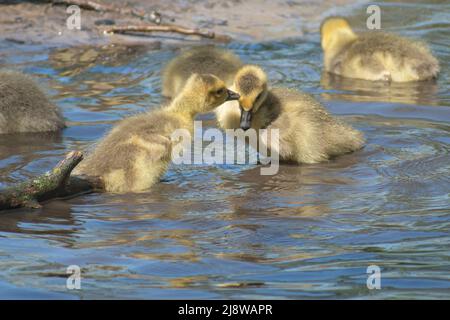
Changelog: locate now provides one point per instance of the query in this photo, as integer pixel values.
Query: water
(225, 231)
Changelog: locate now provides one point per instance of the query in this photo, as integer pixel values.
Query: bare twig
(152, 16)
(166, 28)
(151, 28)
(55, 183)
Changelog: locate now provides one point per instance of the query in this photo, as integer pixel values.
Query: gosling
(202, 59)
(135, 154)
(307, 132)
(374, 55)
(24, 107)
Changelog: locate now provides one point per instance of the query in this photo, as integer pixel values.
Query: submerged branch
(53, 184)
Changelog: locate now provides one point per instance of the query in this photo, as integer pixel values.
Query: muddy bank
(40, 22)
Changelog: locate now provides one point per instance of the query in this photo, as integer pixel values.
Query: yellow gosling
(307, 132)
(203, 59)
(374, 55)
(136, 152)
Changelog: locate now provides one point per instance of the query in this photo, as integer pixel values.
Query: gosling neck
(188, 103)
(266, 113)
(263, 116)
(338, 43)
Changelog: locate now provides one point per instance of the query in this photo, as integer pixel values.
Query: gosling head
(251, 84)
(211, 88)
(333, 31)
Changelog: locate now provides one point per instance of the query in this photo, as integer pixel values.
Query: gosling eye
(258, 96)
(220, 92)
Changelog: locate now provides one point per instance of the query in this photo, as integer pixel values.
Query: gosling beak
(232, 95)
(246, 119)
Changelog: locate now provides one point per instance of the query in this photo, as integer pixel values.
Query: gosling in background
(203, 59)
(307, 132)
(136, 152)
(24, 107)
(374, 55)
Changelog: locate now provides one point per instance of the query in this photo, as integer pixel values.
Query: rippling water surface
(205, 231)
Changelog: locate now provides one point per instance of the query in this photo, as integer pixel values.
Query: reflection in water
(73, 61)
(225, 231)
(102, 75)
(418, 92)
(19, 151)
(57, 222)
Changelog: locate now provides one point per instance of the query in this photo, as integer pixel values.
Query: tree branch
(53, 184)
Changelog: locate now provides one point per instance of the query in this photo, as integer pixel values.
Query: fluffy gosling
(307, 132)
(374, 55)
(136, 152)
(24, 107)
(203, 59)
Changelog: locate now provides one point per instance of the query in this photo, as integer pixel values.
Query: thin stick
(151, 28)
(166, 28)
(153, 16)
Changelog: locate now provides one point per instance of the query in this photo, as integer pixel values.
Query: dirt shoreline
(39, 22)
